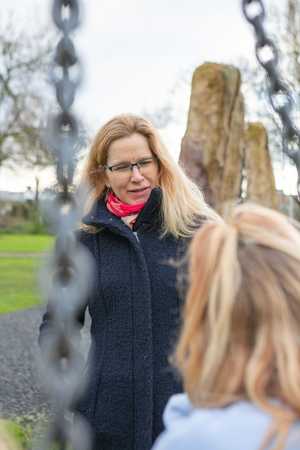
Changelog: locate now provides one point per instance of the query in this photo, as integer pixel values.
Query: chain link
(281, 97)
(67, 276)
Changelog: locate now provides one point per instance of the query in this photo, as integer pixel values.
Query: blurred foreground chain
(67, 276)
(281, 97)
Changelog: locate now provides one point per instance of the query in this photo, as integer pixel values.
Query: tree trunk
(37, 191)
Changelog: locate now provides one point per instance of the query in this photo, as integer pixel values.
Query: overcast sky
(135, 52)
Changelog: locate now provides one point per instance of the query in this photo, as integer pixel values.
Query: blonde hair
(240, 337)
(182, 201)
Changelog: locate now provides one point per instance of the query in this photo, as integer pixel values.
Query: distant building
(21, 197)
(7, 196)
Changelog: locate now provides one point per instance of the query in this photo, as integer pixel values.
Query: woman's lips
(139, 192)
(135, 191)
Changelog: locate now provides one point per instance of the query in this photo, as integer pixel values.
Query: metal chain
(66, 277)
(281, 97)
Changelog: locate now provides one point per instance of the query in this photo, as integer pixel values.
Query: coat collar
(149, 217)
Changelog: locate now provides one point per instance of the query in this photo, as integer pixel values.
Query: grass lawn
(18, 283)
(25, 243)
(18, 275)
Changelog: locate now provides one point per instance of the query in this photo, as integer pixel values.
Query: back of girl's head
(241, 324)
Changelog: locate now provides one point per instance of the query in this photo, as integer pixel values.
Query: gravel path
(21, 392)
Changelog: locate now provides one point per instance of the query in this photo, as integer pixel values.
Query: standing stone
(258, 166)
(212, 146)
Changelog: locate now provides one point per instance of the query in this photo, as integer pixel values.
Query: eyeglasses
(126, 168)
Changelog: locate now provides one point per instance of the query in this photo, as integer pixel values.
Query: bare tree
(24, 96)
(171, 111)
(258, 106)
(27, 99)
(284, 28)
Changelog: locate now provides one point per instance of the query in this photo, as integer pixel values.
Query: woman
(239, 346)
(143, 209)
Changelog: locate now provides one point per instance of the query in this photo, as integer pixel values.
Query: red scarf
(121, 209)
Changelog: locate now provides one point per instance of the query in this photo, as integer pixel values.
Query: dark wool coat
(134, 308)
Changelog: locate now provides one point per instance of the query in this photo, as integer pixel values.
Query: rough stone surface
(21, 391)
(212, 147)
(260, 178)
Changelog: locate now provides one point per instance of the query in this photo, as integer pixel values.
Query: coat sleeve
(46, 327)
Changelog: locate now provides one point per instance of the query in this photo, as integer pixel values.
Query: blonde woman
(239, 346)
(143, 208)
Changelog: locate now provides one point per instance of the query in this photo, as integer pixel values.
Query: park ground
(21, 257)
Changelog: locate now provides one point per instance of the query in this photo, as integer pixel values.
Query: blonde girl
(239, 346)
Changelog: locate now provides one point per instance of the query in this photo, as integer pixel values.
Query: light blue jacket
(240, 426)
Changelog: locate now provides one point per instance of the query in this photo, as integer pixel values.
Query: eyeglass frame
(130, 165)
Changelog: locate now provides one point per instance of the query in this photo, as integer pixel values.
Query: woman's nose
(136, 174)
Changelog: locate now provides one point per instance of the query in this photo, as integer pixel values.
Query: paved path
(21, 392)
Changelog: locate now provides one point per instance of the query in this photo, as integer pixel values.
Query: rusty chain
(66, 277)
(281, 97)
